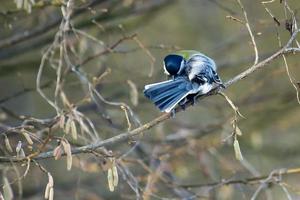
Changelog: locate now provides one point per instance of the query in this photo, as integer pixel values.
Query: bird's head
(173, 64)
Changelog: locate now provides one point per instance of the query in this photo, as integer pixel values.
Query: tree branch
(247, 181)
(138, 131)
(284, 50)
(40, 30)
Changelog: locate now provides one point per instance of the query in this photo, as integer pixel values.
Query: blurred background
(177, 158)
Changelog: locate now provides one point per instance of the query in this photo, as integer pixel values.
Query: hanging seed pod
(51, 194)
(50, 180)
(7, 144)
(238, 131)
(68, 126)
(237, 150)
(1, 196)
(73, 130)
(67, 149)
(115, 175)
(19, 3)
(27, 137)
(62, 121)
(57, 152)
(7, 190)
(110, 180)
(112, 175)
(47, 191)
(63, 11)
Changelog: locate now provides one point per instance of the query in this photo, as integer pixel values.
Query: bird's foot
(194, 100)
(173, 112)
(221, 85)
(182, 104)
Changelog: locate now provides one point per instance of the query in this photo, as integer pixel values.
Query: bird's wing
(155, 84)
(166, 95)
(197, 65)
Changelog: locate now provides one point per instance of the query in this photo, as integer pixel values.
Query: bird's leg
(222, 85)
(194, 100)
(173, 113)
(182, 103)
(182, 106)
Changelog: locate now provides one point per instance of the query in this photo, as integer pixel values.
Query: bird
(192, 74)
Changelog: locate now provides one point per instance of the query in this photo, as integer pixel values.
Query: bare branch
(248, 181)
(284, 50)
(250, 31)
(127, 135)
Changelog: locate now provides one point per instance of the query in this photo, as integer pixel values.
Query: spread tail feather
(166, 95)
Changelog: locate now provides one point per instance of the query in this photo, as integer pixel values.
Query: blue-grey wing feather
(166, 95)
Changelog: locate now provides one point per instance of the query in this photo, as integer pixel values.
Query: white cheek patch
(165, 69)
(182, 65)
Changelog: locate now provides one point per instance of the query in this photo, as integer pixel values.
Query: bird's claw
(182, 104)
(221, 85)
(194, 100)
(173, 112)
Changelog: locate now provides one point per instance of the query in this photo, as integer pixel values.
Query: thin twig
(127, 135)
(247, 181)
(250, 31)
(284, 50)
(107, 50)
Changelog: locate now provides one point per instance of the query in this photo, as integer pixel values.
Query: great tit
(192, 74)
